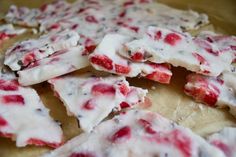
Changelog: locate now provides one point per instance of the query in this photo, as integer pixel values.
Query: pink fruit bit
(124, 105)
(172, 39)
(11, 85)
(28, 59)
(177, 139)
(86, 154)
(3, 122)
(89, 105)
(137, 56)
(121, 135)
(13, 99)
(101, 89)
(147, 126)
(161, 73)
(103, 61)
(222, 146)
(122, 69)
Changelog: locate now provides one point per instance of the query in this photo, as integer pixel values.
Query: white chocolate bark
(137, 133)
(93, 19)
(216, 92)
(60, 63)
(22, 16)
(9, 29)
(92, 98)
(33, 17)
(160, 45)
(106, 58)
(23, 116)
(224, 43)
(225, 140)
(25, 52)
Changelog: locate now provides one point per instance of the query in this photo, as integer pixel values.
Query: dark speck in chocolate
(20, 63)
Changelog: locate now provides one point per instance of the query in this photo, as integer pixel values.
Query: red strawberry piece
(102, 89)
(9, 85)
(102, 61)
(38, 142)
(13, 99)
(75, 26)
(178, 140)
(134, 28)
(204, 93)
(82, 10)
(137, 56)
(128, 3)
(121, 135)
(222, 146)
(82, 155)
(211, 51)
(122, 14)
(89, 105)
(3, 36)
(172, 39)
(3, 122)
(201, 59)
(124, 89)
(182, 142)
(54, 26)
(147, 126)
(158, 35)
(91, 19)
(159, 76)
(28, 59)
(233, 47)
(90, 48)
(124, 105)
(122, 69)
(211, 98)
(220, 81)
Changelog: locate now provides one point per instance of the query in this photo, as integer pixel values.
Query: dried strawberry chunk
(172, 39)
(161, 74)
(13, 99)
(82, 155)
(121, 135)
(8, 85)
(124, 105)
(202, 89)
(28, 58)
(122, 69)
(3, 122)
(137, 56)
(103, 61)
(91, 19)
(101, 89)
(222, 146)
(89, 105)
(147, 126)
(179, 140)
(124, 89)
